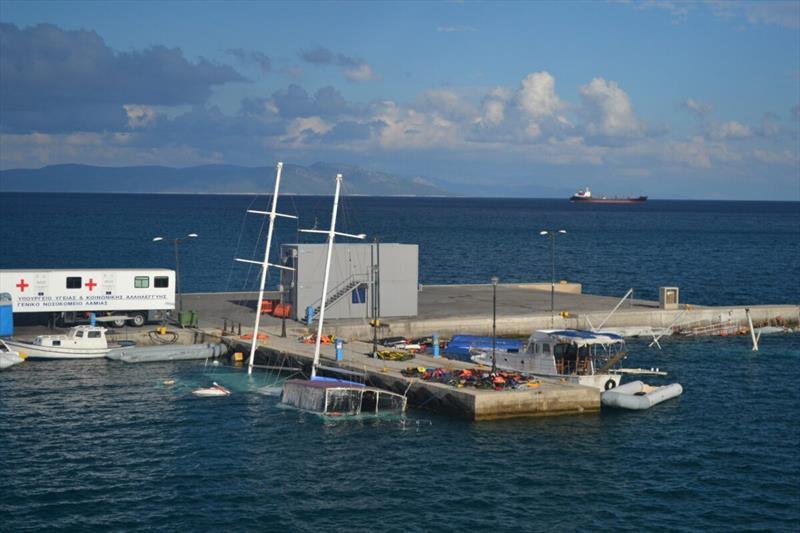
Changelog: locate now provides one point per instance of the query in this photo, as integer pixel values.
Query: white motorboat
(82, 342)
(575, 356)
(9, 357)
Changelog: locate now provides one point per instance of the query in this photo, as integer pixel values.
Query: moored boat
(172, 352)
(81, 342)
(638, 395)
(584, 196)
(576, 356)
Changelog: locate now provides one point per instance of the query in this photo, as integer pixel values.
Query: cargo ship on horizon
(584, 196)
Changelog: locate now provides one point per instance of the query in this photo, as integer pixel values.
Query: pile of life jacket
(473, 377)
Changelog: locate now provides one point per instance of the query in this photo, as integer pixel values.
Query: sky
(669, 99)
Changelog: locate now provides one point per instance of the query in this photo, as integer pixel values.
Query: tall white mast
(265, 264)
(331, 238)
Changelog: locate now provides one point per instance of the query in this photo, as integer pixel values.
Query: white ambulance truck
(115, 295)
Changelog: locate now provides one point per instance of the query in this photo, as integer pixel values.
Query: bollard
(339, 350)
(224, 326)
(240, 329)
(436, 345)
(92, 319)
(309, 315)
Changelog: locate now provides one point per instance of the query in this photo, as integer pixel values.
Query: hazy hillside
(314, 179)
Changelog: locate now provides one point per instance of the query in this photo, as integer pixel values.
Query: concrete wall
(351, 263)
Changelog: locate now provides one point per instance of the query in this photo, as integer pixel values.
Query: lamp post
(177, 241)
(552, 234)
(283, 314)
(495, 280)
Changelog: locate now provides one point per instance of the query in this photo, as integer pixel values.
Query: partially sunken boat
(8, 357)
(333, 396)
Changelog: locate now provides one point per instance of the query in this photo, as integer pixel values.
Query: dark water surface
(716, 252)
(100, 445)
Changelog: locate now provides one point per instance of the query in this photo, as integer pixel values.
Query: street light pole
(552, 234)
(495, 280)
(176, 242)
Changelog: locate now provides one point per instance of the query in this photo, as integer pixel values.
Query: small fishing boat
(583, 357)
(638, 395)
(215, 390)
(81, 342)
(9, 357)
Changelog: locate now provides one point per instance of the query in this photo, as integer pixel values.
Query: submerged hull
(8, 359)
(333, 397)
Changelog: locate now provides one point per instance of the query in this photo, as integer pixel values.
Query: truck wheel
(137, 320)
(118, 322)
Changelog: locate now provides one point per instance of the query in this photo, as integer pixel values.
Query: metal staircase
(340, 291)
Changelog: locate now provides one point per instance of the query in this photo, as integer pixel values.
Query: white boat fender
(638, 395)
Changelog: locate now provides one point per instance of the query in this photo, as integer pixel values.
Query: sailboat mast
(264, 268)
(331, 238)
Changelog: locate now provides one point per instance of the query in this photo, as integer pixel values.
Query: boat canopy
(576, 336)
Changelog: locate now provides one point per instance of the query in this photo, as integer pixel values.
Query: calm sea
(97, 445)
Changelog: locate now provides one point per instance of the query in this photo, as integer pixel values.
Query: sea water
(100, 445)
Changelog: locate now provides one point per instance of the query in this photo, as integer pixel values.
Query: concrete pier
(467, 403)
(447, 310)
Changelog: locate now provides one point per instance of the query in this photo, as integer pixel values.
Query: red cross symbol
(91, 284)
(22, 285)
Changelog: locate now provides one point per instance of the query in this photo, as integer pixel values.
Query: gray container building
(352, 278)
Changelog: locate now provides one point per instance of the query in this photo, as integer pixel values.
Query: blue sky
(674, 100)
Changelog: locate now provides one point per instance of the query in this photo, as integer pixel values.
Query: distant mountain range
(315, 179)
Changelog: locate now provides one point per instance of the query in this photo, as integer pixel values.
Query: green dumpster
(195, 319)
(185, 318)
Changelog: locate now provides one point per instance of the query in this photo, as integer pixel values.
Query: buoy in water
(169, 382)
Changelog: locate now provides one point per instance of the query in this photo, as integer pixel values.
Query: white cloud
(359, 72)
(785, 14)
(730, 130)
(493, 107)
(785, 157)
(537, 95)
(140, 116)
(448, 103)
(609, 110)
(696, 107)
(300, 128)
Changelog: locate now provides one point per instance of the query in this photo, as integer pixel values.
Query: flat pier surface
(467, 309)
